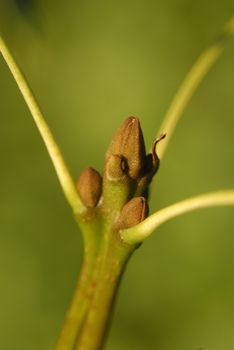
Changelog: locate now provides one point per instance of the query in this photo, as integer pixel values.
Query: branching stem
(141, 231)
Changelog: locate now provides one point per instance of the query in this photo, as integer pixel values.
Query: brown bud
(135, 211)
(115, 167)
(89, 186)
(128, 142)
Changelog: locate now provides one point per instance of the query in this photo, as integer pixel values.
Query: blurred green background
(91, 64)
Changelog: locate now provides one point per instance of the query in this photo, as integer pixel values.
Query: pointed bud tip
(130, 120)
(89, 186)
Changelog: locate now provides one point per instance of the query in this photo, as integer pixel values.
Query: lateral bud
(115, 167)
(89, 186)
(129, 143)
(135, 211)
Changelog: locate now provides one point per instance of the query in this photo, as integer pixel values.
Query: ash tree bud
(134, 211)
(89, 186)
(128, 143)
(126, 158)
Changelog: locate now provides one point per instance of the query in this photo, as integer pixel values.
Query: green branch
(140, 232)
(190, 84)
(61, 169)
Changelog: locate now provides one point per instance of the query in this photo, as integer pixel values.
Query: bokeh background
(91, 64)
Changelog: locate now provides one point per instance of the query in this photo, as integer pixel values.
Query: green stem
(189, 86)
(76, 311)
(138, 233)
(109, 269)
(83, 292)
(53, 149)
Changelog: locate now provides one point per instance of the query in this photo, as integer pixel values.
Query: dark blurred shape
(26, 7)
(31, 11)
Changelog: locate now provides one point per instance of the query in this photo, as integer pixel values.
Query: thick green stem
(83, 292)
(110, 266)
(76, 312)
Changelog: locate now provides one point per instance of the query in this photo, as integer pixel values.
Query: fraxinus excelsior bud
(134, 211)
(128, 143)
(89, 186)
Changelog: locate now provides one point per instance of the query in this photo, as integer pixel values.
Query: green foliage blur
(91, 64)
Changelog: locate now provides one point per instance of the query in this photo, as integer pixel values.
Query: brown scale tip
(89, 186)
(154, 153)
(135, 211)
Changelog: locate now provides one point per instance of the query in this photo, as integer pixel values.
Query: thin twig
(190, 84)
(61, 169)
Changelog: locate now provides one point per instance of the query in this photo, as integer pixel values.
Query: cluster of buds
(129, 169)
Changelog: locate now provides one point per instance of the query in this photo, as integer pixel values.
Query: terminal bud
(128, 143)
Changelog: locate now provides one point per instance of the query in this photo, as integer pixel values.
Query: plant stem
(144, 229)
(111, 262)
(77, 309)
(190, 84)
(60, 166)
(83, 293)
